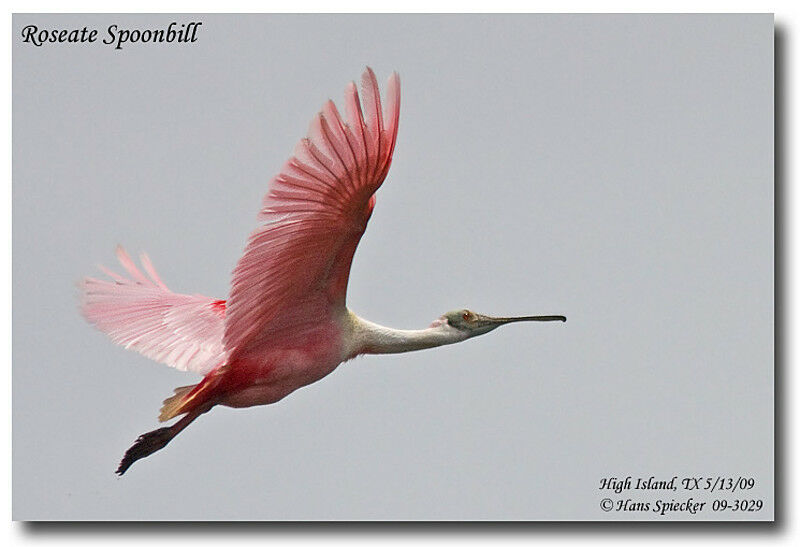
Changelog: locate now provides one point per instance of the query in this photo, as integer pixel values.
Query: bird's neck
(371, 338)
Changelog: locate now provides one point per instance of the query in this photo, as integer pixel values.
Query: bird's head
(475, 324)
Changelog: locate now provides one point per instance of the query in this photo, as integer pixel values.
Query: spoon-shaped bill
(497, 321)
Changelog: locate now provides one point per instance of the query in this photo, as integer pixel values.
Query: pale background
(617, 169)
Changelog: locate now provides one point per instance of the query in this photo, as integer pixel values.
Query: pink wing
(295, 267)
(141, 313)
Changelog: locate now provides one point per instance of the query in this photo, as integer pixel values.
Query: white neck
(369, 337)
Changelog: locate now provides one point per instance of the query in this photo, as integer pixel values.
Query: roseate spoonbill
(285, 324)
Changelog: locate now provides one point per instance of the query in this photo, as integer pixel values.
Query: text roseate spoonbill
(285, 324)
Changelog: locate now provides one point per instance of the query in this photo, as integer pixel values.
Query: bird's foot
(145, 445)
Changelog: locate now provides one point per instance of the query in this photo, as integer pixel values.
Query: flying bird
(285, 323)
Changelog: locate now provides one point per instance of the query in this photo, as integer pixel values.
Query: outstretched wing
(141, 313)
(296, 265)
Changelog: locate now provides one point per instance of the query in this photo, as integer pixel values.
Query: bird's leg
(155, 440)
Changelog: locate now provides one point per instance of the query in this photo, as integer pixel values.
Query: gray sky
(615, 169)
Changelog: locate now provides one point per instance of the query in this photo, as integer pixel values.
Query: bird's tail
(189, 398)
(173, 405)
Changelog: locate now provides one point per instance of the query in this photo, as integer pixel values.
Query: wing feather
(314, 215)
(141, 313)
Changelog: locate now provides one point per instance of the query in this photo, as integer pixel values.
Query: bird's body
(272, 372)
(285, 324)
(276, 369)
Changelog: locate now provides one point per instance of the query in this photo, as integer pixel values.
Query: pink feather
(140, 313)
(317, 209)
